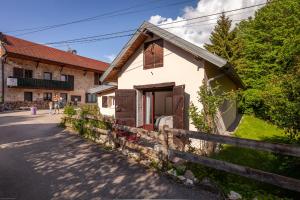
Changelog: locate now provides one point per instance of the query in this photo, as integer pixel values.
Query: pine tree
(222, 39)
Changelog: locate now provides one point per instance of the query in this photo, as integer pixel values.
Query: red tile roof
(33, 50)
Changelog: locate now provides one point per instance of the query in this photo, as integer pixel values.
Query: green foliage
(222, 39)
(91, 110)
(69, 110)
(267, 59)
(211, 99)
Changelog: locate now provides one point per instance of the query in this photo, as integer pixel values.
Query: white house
(158, 75)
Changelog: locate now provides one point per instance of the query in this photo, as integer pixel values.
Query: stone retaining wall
(18, 105)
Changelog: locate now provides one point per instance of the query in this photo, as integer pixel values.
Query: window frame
(48, 97)
(75, 96)
(93, 97)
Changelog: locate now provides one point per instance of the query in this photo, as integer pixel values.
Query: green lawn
(251, 127)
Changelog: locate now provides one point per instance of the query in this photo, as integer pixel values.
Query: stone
(145, 162)
(210, 185)
(181, 178)
(125, 152)
(134, 155)
(189, 175)
(158, 147)
(178, 161)
(234, 195)
(189, 182)
(172, 172)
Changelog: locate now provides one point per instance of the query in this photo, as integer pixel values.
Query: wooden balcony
(40, 84)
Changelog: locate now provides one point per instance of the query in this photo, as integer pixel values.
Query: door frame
(149, 127)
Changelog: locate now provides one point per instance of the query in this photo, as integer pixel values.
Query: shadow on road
(43, 161)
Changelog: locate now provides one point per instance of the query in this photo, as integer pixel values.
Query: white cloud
(110, 57)
(197, 31)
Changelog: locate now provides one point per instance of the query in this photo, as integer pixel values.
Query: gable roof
(141, 35)
(22, 48)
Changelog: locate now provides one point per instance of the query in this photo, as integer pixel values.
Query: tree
(222, 38)
(269, 63)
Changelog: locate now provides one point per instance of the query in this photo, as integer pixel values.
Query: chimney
(72, 51)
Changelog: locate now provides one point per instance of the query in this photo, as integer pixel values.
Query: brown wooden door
(125, 102)
(178, 107)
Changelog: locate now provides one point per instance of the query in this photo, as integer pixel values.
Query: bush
(69, 110)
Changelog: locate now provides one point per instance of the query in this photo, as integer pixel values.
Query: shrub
(69, 110)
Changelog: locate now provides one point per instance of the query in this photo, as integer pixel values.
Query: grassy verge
(257, 129)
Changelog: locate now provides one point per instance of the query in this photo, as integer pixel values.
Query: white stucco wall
(179, 67)
(106, 111)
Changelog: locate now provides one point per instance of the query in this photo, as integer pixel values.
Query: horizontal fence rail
(285, 149)
(259, 175)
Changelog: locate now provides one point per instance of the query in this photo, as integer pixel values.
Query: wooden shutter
(104, 101)
(148, 55)
(158, 53)
(18, 72)
(125, 102)
(178, 107)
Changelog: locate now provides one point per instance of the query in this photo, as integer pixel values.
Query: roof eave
(16, 55)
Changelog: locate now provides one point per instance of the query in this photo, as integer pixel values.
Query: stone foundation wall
(18, 105)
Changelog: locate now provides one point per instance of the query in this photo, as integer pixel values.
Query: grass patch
(257, 129)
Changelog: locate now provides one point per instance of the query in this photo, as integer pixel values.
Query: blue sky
(16, 14)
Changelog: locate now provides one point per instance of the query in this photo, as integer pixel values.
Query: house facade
(158, 76)
(31, 74)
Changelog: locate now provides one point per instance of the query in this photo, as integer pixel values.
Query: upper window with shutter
(153, 54)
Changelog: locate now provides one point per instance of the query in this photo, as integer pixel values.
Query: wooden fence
(166, 138)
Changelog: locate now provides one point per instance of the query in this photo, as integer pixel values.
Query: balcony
(40, 84)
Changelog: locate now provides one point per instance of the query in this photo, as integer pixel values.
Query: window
(18, 72)
(97, 78)
(153, 54)
(104, 101)
(108, 101)
(75, 98)
(63, 77)
(27, 96)
(47, 76)
(21, 73)
(28, 73)
(90, 98)
(64, 97)
(47, 96)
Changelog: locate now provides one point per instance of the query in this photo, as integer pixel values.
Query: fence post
(165, 149)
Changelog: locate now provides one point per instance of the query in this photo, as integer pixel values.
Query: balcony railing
(40, 84)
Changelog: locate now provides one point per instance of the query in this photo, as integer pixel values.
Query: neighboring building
(106, 99)
(158, 75)
(31, 73)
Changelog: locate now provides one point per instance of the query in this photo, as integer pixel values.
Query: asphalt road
(39, 160)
